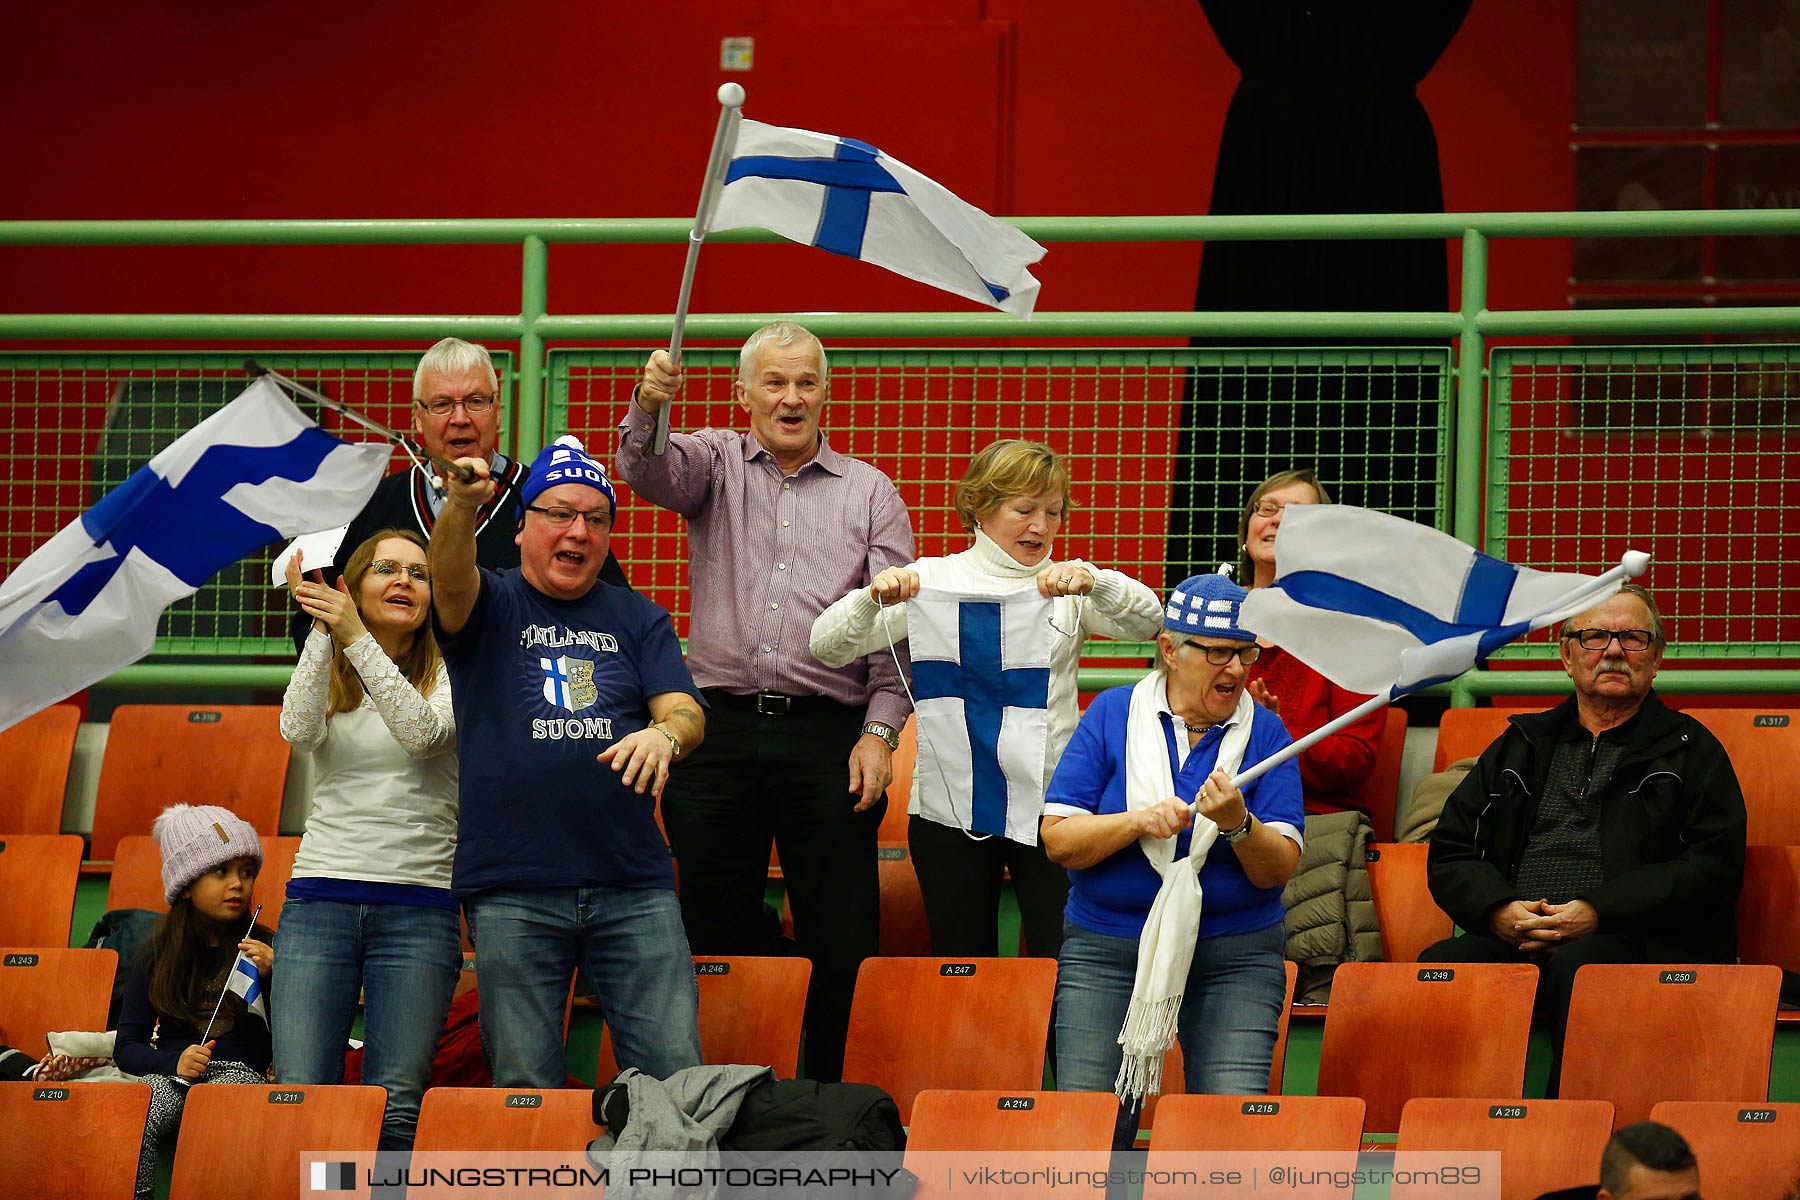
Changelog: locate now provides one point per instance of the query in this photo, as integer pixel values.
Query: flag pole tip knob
(1635, 562)
(731, 95)
(254, 369)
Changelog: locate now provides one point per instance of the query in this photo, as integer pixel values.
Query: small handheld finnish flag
(246, 981)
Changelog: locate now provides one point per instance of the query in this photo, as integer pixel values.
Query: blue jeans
(1229, 1013)
(403, 959)
(631, 942)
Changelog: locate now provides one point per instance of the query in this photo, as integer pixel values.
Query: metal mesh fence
(79, 424)
(1164, 445)
(1686, 452)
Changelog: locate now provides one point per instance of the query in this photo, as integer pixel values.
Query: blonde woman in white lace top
(369, 910)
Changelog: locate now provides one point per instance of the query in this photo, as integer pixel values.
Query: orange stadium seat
(1399, 1030)
(38, 874)
(1768, 909)
(750, 1012)
(214, 1159)
(1466, 732)
(34, 770)
(1544, 1145)
(1744, 1150)
(1174, 1079)
(899, 793)
(1381, 790)
(44, 990)
(1196, 1127)
(919, 1023)
(1410, 919)
(1010, 1130)
(71, 1141)
(457, 1122)
(1764, 745)
(1702, 1032)
(231, 755)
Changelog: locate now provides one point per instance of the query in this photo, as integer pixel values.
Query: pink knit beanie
(195, 838)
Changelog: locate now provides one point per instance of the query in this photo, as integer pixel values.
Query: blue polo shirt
(540, 686)
(1114, 896)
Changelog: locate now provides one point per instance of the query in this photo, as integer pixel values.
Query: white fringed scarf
(1166, 946)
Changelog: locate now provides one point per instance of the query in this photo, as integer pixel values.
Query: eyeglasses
(1630, 640)
(475, 405)
(1218, 656)
(561, 518)
(387, 566)
(1270, 508)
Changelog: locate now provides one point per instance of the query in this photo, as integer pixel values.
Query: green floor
(1302, 1072)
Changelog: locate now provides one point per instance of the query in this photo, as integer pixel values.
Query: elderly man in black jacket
(1607, 830)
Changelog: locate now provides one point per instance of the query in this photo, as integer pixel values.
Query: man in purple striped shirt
(779, 526)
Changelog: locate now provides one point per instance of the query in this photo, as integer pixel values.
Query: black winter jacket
(1672, 830)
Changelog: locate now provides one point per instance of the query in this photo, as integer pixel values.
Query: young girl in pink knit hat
(178, 1025)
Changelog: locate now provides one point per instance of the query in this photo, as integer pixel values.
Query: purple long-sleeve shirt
(767, 553)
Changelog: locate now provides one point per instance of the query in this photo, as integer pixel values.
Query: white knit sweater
(1120, 607)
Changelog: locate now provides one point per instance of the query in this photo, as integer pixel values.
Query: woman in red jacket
(1333, 772)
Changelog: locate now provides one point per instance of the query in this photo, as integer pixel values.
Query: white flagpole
(731, 100)
(1632, 564)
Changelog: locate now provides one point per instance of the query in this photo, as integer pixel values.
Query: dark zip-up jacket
(1672, 830)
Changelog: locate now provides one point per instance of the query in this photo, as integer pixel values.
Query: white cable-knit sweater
(1120, 607)
(384, 775)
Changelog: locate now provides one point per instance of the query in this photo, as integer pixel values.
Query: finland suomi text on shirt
(556, 729)
(550, 635)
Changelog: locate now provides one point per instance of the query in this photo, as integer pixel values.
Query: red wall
(405, 109)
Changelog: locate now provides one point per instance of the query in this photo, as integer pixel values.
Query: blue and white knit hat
(1207, 606)
(565, 461)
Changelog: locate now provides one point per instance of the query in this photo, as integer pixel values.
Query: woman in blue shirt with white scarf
(1141, 949)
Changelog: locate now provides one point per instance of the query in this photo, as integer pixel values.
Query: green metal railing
(534, 326)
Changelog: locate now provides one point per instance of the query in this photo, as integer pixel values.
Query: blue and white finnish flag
(86, 603)
(981, 689)
(1382, 605)
(847, 197)
(246, 981)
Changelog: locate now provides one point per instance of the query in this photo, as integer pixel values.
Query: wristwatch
(674, 742)
(885, 732)
(1242, 831)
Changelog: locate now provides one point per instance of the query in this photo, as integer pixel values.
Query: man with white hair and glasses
(1609, 829)
(456, 414)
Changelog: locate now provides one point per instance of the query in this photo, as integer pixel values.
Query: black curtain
(1324, 120)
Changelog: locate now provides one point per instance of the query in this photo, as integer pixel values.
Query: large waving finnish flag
(1378, 604)
(86, 603)
(847, 197)
(981, 689)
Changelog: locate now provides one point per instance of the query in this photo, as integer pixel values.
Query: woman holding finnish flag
(1143, 814)
(995, 635)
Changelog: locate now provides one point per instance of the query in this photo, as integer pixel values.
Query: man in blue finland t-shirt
(571, 702)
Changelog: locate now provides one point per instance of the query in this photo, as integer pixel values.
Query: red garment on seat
(459, 1061)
